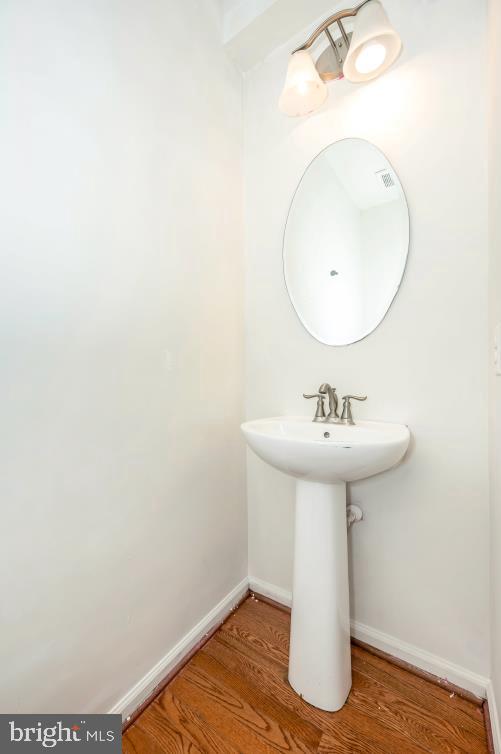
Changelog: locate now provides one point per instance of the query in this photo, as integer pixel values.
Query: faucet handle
(347, 416)
(320, 412)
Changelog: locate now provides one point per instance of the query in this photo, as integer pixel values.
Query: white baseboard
(133, 699)
(422, 659)
(493, 714)
(270, 590)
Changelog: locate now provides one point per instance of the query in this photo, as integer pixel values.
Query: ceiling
(252, 29)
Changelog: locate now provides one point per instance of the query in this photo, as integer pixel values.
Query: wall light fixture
(360, 55)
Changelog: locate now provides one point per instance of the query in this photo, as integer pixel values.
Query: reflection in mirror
(346, 242)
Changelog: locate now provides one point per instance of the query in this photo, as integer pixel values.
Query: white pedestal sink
(323, 457)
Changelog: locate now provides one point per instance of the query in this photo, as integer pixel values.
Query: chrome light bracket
(334, 19)
(330, 62)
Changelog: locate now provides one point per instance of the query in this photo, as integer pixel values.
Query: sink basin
(300, 448)
(323, 457)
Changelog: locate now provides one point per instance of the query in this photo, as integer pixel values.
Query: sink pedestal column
(320, 658)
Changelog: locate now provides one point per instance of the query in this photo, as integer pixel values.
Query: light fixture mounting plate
(330, 64)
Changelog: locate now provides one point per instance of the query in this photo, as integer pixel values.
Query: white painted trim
(440, 667)
(270, 590)
(133, 699)
(422, 659)
(493, 714)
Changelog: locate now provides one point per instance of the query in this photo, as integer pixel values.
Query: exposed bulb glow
(374, 46)
(370, 57)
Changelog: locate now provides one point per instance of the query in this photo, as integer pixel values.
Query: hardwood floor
(233, 696)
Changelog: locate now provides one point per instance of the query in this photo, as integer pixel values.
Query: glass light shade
(304, 90)
(373, 35)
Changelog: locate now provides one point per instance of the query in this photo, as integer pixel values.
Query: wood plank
(276, 666)
(275, 624)
(473, 736)
(434, 680)
(234, 719)
(440, 690)
(349, 743)
(259, 636)
(463, 713)
(436, 734)
(233, 697)
(285, 728)
(192, 725)
(145, 738)
(342, 725)
(258, 627)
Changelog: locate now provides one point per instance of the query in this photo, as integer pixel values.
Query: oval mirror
(346, 242)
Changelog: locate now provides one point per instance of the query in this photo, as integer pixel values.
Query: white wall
(122, 467)
(419, 561)
(495, 317)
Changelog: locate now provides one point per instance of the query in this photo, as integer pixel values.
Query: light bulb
(374, 46)
(370, 57)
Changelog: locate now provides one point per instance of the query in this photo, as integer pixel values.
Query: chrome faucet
(333, 416)
(347, 416)
(320, 412)
(325, 390)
